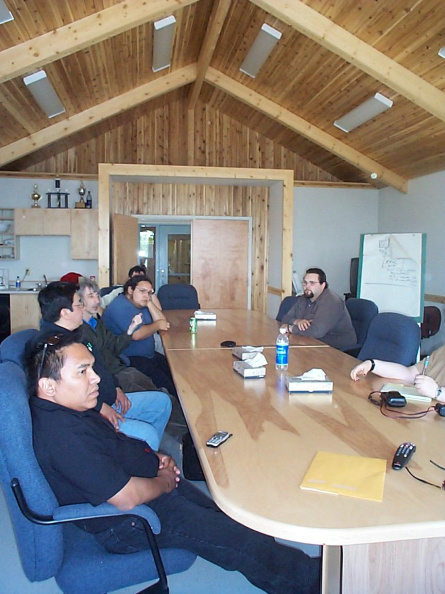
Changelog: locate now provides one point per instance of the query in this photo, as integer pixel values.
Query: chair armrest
(82, 511)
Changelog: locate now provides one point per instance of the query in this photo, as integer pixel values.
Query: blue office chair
(392, 337)
(285, 306)
(49, 544)
(362, 311)
(178, 296)
(13, 347)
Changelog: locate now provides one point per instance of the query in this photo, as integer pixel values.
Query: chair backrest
(285, 306)
(392, 337)
(178, 296)
(362, 311)
(13, 347)
(40, 547)
(432, 319)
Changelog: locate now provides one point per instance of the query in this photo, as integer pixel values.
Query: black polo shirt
(82, 456)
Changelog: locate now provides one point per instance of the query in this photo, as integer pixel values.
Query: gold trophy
(35, 196)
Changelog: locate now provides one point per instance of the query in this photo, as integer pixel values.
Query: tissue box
(296, 384)
(244, 354)
(205, 315)
(244, 369)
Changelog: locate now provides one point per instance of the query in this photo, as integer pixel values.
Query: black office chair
(432, 318)
(285, 306)
(362, 311)
(392, 337)
(178, 296)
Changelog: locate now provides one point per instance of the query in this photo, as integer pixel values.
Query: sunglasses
(51, 341)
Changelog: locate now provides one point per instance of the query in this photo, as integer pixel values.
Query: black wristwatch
(372, 364)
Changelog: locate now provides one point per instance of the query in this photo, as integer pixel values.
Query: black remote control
(403, 455)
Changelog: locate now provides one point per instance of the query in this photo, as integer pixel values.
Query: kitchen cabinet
(84, 234)
(25, 311)
(8, 243)
(42, 221)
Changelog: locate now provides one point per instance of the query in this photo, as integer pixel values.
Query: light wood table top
(255, 476)
(245, 327)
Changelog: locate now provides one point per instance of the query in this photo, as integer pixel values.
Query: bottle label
(282, 354)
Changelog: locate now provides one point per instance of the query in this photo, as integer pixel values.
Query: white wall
(328, 223)
(422, 210)
(43, 255)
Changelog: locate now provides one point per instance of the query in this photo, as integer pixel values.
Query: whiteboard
(391, 272)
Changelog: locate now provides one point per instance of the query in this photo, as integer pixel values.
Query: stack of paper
(352, 476)
(410, 392)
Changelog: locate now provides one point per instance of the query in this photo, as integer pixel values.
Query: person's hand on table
(426, 385)
(302, 324)
(362, 369)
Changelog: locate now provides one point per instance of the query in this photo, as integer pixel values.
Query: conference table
(397, 545)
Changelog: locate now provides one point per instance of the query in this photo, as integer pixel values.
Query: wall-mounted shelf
(8, 242)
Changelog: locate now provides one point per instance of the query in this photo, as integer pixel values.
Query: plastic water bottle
(18, 284)
(282, 350)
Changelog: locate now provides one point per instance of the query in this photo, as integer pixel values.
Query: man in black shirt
(85, 460)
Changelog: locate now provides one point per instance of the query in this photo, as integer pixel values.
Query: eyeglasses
(442, 486)
(145, 291)
(80, 304)
(51, 341)
(311, 283)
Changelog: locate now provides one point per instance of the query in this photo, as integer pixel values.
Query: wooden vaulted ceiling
(333, 55)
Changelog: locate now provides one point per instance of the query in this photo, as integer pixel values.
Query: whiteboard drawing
(391, 272)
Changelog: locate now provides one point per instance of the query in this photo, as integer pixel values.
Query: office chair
(432, 318)
(392, 337)
(285, 306)
(49, 544)
(13, 347)
(362, 311)
(178, 296)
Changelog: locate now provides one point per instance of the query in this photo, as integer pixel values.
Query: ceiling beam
(319, 28)
(98, 113)
(304, 128)
(54, 45)
(217, 18)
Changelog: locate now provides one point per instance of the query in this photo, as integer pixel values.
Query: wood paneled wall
(159, 133)
(205, 200)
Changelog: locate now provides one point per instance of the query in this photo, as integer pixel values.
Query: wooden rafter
(319, 28)
(306, 129)
(218, 16)
(98, 113)
(61, 42)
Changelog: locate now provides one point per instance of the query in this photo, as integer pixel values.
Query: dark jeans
(191, 521)
(158, 369)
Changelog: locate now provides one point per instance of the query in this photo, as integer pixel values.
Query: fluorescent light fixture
(44, 93)
(163, 34)
(441, 52)
(264, 43)
(5, 15)
(364, 112)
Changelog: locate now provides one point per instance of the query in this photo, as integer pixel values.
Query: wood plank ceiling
(332, 56)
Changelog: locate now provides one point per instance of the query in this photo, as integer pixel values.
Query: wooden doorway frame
(279, 181)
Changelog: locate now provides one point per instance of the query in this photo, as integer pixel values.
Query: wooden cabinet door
(56, 221)
(84, 234)
(220, 263)
(25, 312)
(28, 221)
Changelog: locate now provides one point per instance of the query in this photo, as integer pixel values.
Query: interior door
(125, 240)
(220, 263)
(173, 255)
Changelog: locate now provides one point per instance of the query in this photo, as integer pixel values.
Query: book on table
(409, 391)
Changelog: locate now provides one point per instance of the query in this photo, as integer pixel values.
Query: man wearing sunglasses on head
(143, 415)
(320, 313)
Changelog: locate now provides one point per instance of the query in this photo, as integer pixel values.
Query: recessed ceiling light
(163, 35)
(44, 93)
(261, 48)
(5, 14)
(364, 112)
